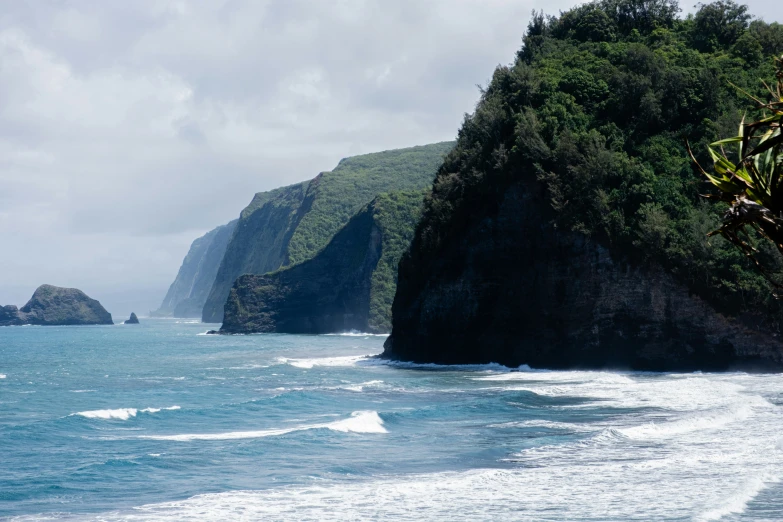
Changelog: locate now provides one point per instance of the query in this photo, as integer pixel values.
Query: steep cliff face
(566, 227)
(328, 293)
(189, 291)
(52, 305)
(290, 225)
(347, 286)
(515, 290)
(259, 242)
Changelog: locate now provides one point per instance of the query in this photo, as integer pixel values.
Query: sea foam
(372, 359)
(698, 420)
(347, 360)
(354, 333)
(358, 422)
(738, 502)
(119, 413)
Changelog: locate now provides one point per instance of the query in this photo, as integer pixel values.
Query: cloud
(129, 128)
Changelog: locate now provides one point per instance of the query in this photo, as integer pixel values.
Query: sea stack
(52, 306)
(133, 319)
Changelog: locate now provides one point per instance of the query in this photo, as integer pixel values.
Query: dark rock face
(514, 290)
(329, 293)
(52, 305)
(133, 319)
(9, 316)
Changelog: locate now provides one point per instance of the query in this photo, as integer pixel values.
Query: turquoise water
(157, 422)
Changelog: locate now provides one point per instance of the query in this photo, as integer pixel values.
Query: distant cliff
(52, 305)
(349, 285)
(566, 228)
(290, 225)
(189, 291)
(259, 242)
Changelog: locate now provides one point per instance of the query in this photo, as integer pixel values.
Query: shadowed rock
(133, 319)
(513, 289)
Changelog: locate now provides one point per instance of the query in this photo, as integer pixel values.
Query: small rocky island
(133, 319)
(52, 306)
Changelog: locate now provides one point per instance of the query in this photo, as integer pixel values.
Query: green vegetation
(594, 111)
(396, 215)
(752, 180)
(341, 193)
(279, 197)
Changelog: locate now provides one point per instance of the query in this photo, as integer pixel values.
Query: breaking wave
(358, 422)
(119, 413)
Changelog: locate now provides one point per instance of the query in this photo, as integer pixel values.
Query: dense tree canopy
(596, 109)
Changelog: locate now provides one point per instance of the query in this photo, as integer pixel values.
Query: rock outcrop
(290, 225)
(52, 305)
(133, 319)
(513, 289)
(9, 316)
(188, 293)
(349, 285)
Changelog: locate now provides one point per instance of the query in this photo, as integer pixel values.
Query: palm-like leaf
(754, 186)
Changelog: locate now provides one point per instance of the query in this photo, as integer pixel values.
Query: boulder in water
(133, 319)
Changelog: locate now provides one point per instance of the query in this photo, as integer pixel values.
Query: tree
(719, 24)
(642, 15)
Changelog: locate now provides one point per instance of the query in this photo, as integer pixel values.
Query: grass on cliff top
(595, 109)
(275, 196)
(342, 192)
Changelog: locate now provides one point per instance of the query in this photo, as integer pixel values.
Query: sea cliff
(515, 290)
(290, 225)
(566, 228)
(349, 285)
(188, 293)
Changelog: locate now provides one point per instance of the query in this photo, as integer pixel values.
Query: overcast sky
(129, 128)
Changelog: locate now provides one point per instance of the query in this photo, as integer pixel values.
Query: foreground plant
(754, 185)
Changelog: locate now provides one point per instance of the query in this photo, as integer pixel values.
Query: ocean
(160, 422)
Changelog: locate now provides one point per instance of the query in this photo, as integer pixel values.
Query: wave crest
(358, 422)
(119, 413)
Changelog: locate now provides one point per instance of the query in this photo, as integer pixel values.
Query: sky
(129, 128)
